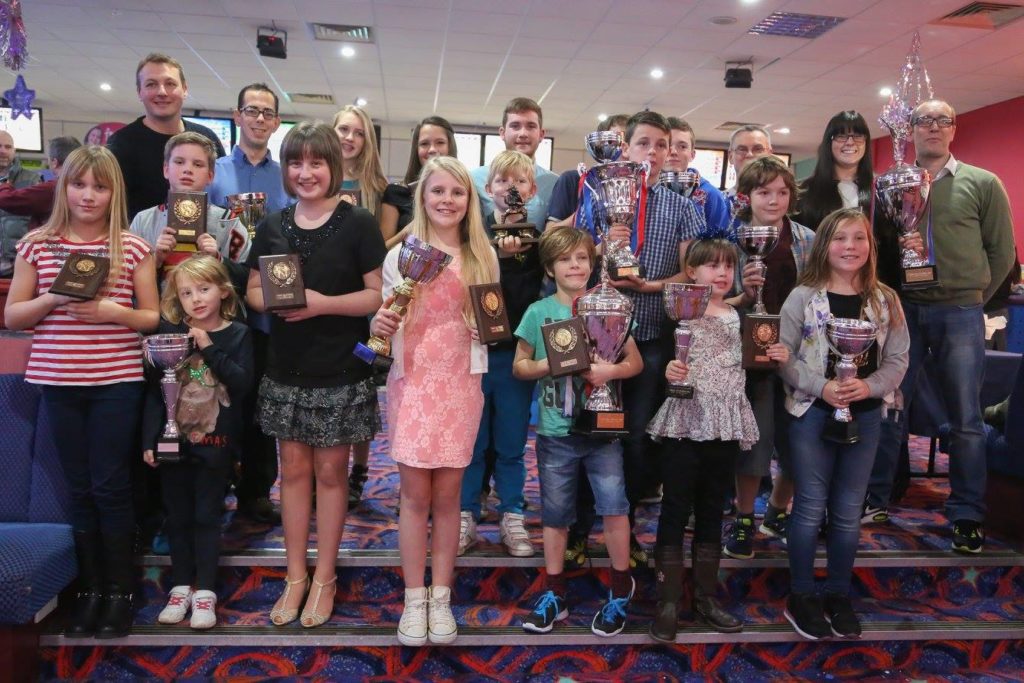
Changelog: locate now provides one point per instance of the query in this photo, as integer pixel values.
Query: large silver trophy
(848, 338)
(681, 182)
(419, 263)
(760, 330)
(902, 191)
(249, 208)
(684, 302)
(168, 353)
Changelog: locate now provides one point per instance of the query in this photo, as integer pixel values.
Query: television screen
(710, 163)
(224, 128)
(274, 143)
(27, 133)
(494, 145)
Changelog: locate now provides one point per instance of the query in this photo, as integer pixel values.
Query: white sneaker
(204, 605)
(178, 602)
(514, 536)
(412, 628)
(467, 532)
(442, 626)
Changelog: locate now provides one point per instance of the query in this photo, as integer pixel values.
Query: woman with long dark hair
(843, 176)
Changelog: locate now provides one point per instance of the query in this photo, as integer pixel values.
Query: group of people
(285, 386)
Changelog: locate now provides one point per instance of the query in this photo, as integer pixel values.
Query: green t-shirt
(551, 396)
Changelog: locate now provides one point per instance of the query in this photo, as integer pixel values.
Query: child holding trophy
(87, 355)
(199, 301)
(839, 289)
(316, 397)
(433, 388)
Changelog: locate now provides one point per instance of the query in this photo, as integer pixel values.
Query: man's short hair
(936, 100)
(510, 162)
(676, 123)
(521, 105)
(647, 118)
(158, 58)
(60, 148)
(751, 128)
(190, 137)
(256, 87)
(619, 120)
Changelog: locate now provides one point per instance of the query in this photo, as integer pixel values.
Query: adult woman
(842, 176)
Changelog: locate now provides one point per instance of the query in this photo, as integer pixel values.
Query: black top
(781, 274)
(851, 306)
(400, 197)
(521, 277)
(317, 352)
(210, 402)
(140, 153)
(564, 197)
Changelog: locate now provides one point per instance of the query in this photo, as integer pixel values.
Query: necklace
(197, 375)
(305, 242)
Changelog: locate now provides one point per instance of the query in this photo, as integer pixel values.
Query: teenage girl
(87, 356)
(316, 397)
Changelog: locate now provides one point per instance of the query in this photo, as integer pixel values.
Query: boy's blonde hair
(557, 241)
(192, 138)
(201, 268)
(106, 171)
(510, 163)
(367, 168)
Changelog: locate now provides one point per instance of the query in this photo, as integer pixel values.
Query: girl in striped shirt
(87, 357)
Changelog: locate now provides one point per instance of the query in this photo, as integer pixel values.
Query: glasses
(929, 121)
(254, 113)
(746, 151)
(858, 138)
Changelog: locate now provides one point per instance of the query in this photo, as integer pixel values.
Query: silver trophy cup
(249, 208)
(680, 182)
(848, 338)
(616, 187)
(684, 302)
(419, 263)
(757, 241)
(902, 195)
(605, 146)
(168, 353)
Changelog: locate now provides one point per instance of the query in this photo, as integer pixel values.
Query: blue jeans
(955, 337)
(561, 460)
(829, 477)
(95, 429)
(505, 421)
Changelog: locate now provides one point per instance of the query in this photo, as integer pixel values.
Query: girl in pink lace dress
(434, 397)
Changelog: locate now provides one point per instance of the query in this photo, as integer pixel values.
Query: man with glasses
(249, 167)
(139, 146)
(746, 144)
(973, 244)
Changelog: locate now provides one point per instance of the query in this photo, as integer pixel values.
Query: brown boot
(706, 559)
(668, 563)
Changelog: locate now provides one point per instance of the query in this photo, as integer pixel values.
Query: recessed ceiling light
(885, 92)
(105, 87)
(782, 131)
(360, 101)
(602, 117)
(750, 2)
(657, 73)
(348, 51)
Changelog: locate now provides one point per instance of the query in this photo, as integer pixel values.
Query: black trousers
(696, 475)
(259, 451)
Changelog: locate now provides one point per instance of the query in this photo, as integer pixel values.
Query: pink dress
(434, 410)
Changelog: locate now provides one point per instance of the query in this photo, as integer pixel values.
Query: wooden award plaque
(281, 281)
(491, 314)
(82, 276)
(759, 332)
(566, 344)
(186, 213)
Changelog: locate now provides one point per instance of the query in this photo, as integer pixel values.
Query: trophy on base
(684, 302)
(848, 338)
(681, 182)
(168, 353)
(186, 213)
(419, 263)
(902, 191)
(249, 208)
(514, 221)
(760, 330)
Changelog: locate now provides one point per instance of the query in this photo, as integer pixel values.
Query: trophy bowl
(607, 315)
(684, 302)
(902, 194)
(848, 338)
(680, 182)
(168, 353)
(604, 146)
(757, 241)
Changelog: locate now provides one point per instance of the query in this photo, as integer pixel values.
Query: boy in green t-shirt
(567, 255)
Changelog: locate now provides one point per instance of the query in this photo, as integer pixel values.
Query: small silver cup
(848, 338)
(168, 353)
(684, 302)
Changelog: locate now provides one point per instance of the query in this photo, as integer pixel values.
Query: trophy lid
(603, 300)
(604, 145)
(913, 88)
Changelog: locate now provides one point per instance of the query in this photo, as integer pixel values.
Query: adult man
(36, 201)
(746, 144)
(522, 129)
(249, 167)
(139, 146)
(974, 249)
(12, 227)
(681, 153)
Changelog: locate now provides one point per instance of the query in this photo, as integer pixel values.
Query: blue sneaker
(611, 618)
(549, 609)
(161, 546)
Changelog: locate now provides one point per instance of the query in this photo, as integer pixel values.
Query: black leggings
(696, 476)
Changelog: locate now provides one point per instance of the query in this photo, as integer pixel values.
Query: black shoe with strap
(89, 598)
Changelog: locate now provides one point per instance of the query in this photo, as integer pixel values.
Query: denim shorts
(558, 461)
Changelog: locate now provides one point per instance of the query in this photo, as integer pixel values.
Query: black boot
(116, 616)
(90, 586)
(668, 563)
(706, 558)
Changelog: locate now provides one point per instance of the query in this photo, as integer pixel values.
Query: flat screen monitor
(27, 133)
(710, 163)
(494, 145)
(224, 128)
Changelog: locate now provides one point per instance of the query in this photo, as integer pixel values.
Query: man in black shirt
(139, 146)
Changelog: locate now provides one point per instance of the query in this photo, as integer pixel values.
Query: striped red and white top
(67, 351)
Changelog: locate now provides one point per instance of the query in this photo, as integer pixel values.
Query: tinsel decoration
(13, 39)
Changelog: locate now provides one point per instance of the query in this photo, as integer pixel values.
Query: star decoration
(20, 99)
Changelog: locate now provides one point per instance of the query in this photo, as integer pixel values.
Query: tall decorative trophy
(168, 353)
(249, 208)
(607, 315)
(419, 263)
(902, 191)
(684, 302)
(848, 338)
(760, 330)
